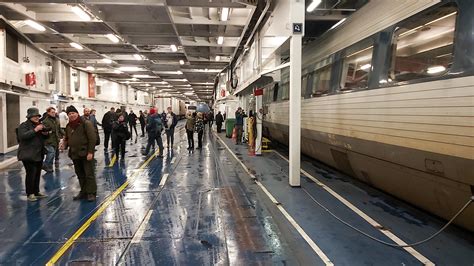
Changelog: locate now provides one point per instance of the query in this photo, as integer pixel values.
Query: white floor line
(290, 219)
(141, 230)
(367, 218)
(163, 180)
(173, 160)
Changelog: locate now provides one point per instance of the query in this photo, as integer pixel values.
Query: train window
(423, 45)
(357, 65)
(321, 81)
(12, 46)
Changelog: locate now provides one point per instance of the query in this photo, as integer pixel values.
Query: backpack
(159, 124)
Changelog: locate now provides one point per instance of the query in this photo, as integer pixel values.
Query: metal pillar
(297, 12)
(259, 120)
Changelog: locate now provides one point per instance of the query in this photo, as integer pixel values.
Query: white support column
(297, 12)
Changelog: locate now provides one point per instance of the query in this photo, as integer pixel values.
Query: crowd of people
(42, 137)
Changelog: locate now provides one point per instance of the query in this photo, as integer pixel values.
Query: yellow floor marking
(99, 211)
(112, 162)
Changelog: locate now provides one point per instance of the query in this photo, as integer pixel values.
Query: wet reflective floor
(202, 208)
(184, 209)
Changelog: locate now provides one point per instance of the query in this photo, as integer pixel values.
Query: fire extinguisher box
(30, 79)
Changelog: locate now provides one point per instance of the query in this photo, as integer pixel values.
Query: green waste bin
(229, 127)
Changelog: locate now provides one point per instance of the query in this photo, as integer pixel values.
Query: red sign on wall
(30, 79)
(91, 79)
(222, 93)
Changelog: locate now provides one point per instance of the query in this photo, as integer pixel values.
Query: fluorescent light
(35, 25)
(179, 72)
(141, 76)
(189, 93)
(365, 67)
(138, 57)
(337, 24)
(76, 45)
(116, 71)
(220, 40)
(107, 61)
(181, 62)
(173, 48)
(225, 14)
(130, 68)
(112, 38)
(90, 68)
(81, 13)
(435, 69)
(313, 5)
(218, 58)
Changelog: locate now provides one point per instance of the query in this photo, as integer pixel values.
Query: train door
(13, 118)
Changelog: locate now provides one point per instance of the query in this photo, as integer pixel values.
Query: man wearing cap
(31, 137)
(154, 127)
(80, 137)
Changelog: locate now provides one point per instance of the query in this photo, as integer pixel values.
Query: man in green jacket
(51, 123)
(80, 137)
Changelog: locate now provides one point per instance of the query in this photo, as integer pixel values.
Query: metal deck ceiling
(148, 28)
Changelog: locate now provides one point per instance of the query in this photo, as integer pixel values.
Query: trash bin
(229, 127)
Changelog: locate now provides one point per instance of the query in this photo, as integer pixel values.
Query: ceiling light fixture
(365, 67)
(313, 5)
(76, 45)
(225, 14)
(173, 48)
(81, 13)
(141, 76)
(435, 69)
(130, 68)
(218, 58)
(90, 68)
(107, 61)
(337, 24)
(35, 25)
(220, 40)
(181, 62)
(116, 71)
(138, 57)
(112, 37)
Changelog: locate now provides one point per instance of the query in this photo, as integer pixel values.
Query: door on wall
(13, 118)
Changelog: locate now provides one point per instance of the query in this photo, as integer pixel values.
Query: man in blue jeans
(52, 125)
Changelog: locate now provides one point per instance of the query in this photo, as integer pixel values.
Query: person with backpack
(31, 135)
(200, 128)
(171, 122)
(51, 122)
(120, 135)
(154, 127)
(80, 138)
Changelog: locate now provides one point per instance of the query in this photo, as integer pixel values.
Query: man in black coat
(31, 136)
(132, 121)
(219, 120)
(107, 120)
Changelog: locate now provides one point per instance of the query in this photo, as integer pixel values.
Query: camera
(46, 129)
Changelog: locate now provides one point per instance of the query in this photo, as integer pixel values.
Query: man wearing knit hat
(80, 137)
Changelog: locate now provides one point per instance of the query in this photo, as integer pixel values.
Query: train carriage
(389, 100)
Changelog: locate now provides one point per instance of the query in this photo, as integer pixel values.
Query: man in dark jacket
(154, 126)
(80, 137)
(107, 120)
(219, 121)
(51, 123)
(132, 121)
(31, 138)
(142, 122)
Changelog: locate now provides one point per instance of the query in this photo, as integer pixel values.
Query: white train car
(389, 100)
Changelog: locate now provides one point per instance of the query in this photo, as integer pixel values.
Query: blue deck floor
(210, 212)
